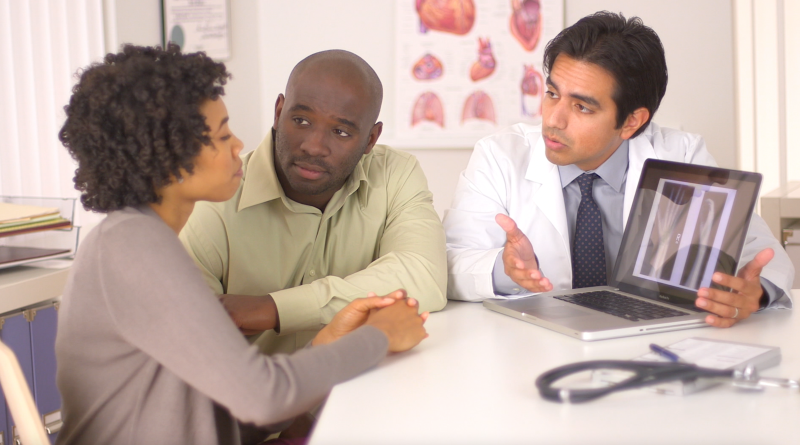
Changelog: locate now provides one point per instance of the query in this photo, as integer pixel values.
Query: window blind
(42, 45)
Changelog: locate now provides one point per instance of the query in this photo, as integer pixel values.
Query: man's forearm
(252, 314)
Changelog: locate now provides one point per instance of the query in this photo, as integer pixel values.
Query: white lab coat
(509, 173)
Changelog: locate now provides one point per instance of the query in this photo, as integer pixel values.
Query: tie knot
(585, 182)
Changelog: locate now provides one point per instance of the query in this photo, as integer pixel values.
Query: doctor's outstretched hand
(744, 297)
(519, 261)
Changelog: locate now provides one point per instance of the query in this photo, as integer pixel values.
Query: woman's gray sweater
(147, 354)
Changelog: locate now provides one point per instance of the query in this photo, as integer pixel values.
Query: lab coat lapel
(549, 197)
(640, 149)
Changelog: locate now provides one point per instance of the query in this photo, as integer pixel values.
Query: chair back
(19, 400)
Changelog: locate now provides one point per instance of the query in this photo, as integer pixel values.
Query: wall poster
(467, 68)
(198, 25)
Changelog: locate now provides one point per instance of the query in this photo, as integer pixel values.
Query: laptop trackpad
(557, 312)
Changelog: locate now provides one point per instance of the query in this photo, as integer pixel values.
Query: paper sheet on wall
(467, 68)
(198, 25)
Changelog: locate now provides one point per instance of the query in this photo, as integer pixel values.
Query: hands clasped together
(726, 307)
(394, 314)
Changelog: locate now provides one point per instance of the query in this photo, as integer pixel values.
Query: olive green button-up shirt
(378, 233)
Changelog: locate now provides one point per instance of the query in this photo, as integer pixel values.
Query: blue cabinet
(31, 334)
(28, 326)
(16, 334)
(3, 420)
(45, 393)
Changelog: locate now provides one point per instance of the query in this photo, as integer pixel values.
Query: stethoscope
(647, 374)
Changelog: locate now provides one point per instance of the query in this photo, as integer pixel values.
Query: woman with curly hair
(146, 352)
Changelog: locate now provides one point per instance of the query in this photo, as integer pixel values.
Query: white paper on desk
(702, 352)
(710, 354)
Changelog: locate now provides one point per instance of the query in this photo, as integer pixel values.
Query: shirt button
(312, 272)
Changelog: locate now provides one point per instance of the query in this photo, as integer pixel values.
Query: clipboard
(705, 352)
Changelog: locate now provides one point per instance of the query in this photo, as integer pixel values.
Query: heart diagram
(485, 64)
(453, 16)
(526, 22)
(427, 68)
(532, 87)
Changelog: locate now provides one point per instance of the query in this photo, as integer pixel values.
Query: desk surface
(24, 286)
(472, 381)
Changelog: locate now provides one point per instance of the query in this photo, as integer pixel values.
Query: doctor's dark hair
(627, 49)
(134, 121)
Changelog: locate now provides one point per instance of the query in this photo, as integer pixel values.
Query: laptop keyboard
(620, 306)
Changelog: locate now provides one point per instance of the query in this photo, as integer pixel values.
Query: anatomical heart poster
(467, 68)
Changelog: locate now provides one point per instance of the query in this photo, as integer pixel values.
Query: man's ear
(634, 121)
(374, 134)
(278, 108)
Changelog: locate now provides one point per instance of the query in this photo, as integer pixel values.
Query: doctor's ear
(634, 121)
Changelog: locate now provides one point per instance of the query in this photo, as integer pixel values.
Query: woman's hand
(355, 314)
(401, 324)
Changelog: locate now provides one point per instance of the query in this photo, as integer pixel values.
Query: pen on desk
(666, 353)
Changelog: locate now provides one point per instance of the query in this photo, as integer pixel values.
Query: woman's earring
(180, 180)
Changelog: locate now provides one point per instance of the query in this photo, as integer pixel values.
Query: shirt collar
(261, 182)
(612, 171)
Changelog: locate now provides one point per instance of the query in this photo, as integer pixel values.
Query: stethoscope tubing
(644, 374)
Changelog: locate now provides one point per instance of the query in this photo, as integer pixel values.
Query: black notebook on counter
(14, 254)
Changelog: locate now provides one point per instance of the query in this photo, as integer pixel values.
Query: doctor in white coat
(510, 228)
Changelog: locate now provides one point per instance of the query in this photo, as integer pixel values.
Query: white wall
(698, 42)
(792, 78)
(269, 37)
(133, 21)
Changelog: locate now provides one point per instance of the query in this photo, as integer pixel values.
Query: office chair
(19, 400)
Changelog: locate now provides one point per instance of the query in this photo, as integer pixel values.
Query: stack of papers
(16, 219)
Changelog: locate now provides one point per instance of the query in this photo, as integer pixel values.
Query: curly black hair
(134, 122)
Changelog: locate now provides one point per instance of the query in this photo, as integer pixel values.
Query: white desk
(28, 285)
(472, 381)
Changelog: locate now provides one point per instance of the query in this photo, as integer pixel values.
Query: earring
(180, 180)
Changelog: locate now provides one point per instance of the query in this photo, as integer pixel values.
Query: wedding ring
(737, 313)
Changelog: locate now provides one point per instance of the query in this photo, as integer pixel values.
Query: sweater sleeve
(161, 305)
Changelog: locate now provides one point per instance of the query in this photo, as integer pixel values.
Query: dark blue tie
(588, 251)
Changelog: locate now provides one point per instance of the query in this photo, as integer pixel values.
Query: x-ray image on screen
(684, 234)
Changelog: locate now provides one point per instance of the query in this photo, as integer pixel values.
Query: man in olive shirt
(323, 215)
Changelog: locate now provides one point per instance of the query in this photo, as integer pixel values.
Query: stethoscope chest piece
(748, 379)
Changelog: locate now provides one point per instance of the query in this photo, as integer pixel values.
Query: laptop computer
(686, 222)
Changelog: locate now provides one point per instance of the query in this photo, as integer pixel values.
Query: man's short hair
(630, 51)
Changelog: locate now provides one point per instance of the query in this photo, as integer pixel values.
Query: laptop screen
(686, 222)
